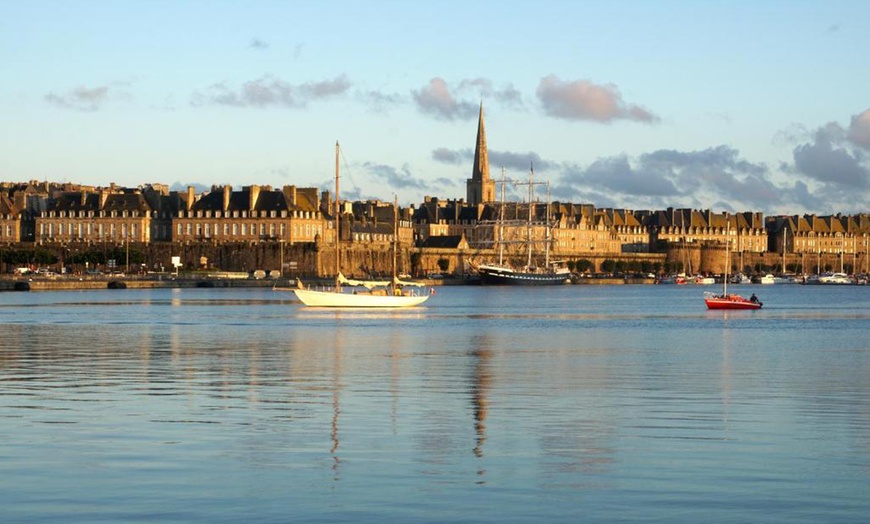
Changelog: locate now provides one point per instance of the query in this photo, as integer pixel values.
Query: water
(577, 403)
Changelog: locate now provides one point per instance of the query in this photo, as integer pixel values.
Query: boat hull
(314, 298)
(730, 302)
(491, 276)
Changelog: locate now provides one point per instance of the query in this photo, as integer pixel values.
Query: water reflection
(480, 380)
(217, 406)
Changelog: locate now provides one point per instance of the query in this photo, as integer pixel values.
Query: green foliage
(443, 264)
(583, 265)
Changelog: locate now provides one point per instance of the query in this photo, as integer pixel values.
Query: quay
(221, 280)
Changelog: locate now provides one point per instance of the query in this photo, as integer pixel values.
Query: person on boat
(753, 299)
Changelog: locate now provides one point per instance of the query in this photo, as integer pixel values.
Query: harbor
(490, 403)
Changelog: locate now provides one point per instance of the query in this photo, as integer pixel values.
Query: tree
(583, 265)
(443, 264)
(415, 258)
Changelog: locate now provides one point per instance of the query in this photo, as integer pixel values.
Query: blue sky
(732, 106)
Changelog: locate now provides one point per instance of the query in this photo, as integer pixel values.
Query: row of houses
(48, 213)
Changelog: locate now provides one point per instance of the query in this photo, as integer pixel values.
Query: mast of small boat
(529, 225)
(337, 235)
(395, 241)
(727, 271)
(784, 241)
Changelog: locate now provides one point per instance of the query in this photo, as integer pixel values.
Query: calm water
(578, 403)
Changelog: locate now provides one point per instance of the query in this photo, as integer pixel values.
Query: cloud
(483, 88)
(380, 102)
(674, 178)
(198, 187)
(584, 100)
(258, 44)
(859, 130)
(461, 102)
(395, 178)
(826, 161)
(435, 99)
(81, 98)
(452, 157)
(269, 91)
(521, 162)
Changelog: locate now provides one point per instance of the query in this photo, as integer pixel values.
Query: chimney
(254, 192)
(84, 198)
(190, 197)
(291, 191)
(326, 202)
(227, 193)
(20, 200)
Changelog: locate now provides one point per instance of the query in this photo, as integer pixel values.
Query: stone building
(108, 215)
(254, 214)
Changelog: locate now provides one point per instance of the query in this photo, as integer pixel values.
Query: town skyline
(745, 106)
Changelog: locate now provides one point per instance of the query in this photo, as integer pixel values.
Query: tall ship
(520, 266)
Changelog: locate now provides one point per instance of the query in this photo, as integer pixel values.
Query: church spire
(480, 187)
(480, 171)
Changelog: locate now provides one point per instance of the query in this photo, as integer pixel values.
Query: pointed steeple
(480, 187)
(480, 171)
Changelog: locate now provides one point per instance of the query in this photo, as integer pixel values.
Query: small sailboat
(358, 293)
(727, 300)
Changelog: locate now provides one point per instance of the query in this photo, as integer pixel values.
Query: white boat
(739, 278)
(765, 279)
(357, 293)
(356, 299)
(834, 278)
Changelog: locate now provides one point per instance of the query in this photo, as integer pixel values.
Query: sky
(723, 105)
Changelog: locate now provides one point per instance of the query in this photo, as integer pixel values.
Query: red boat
(730, 301)
(727, 300)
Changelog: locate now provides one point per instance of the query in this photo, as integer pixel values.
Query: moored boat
(357, 293)
(730, 301)
(493, 274)
(727, 300)
(529, 274)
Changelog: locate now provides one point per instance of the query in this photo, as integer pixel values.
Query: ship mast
(395, 237)
(547, 232)
(337, 235)
(529, 225)
(501, 222)
(727, 271)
